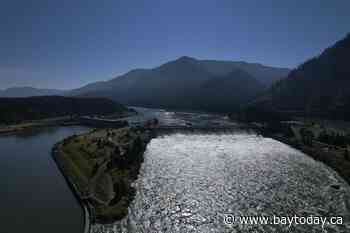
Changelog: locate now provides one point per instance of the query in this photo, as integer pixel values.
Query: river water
(34, 196)
(188, 182)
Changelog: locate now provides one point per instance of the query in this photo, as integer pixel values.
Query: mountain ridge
(318, 87)
(26, 91)
(179, 83)
(232, 64)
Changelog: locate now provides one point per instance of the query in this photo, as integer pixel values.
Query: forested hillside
(15, 110)
(319, 87)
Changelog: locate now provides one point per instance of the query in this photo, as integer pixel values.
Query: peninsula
(100, 167)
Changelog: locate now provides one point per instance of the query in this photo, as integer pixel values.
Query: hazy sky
(67, 43)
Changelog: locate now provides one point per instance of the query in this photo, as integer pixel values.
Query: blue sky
(65, 44)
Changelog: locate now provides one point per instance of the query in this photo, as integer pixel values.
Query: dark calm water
(34, 196)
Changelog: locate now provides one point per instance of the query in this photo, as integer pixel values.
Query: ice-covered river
(188, 182)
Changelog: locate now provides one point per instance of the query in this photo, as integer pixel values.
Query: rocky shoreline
(119, 157)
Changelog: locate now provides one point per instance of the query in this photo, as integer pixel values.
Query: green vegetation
(18, 110)
(102, 164)
(254, 113)
(307, 136)
(334, 138)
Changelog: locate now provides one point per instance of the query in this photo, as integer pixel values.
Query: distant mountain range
(188, 83)
(319, 87)
(28, 91)
(16, 110)
(185, 83)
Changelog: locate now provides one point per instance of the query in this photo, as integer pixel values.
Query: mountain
(265, 74)
(234, 88)
(319, 87)
(16, 110)
(28, 91)
(183, 84)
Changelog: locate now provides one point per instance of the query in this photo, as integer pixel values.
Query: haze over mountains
(188, 83)
(319, 87)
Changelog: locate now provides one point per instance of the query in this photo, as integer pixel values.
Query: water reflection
(170, 118)
(188, 182)
(34, 196)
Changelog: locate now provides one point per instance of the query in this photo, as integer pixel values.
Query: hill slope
(15, 110)
(229, 90)
(265, 74)
(28, 91)
(181, 84)
(319, 87)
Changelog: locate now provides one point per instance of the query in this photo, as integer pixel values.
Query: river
(34, 196)
(189, 182)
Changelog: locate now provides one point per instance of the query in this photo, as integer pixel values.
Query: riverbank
(64, 121)
(99, 167)
(83, 204)
(58, 121)
(322, 153)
